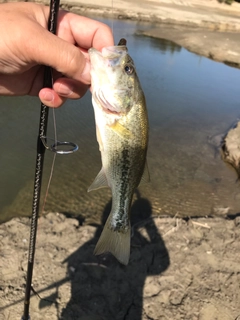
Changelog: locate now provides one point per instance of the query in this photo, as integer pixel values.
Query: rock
(231, 148)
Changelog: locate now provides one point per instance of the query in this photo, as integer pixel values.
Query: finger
(60, 53)
(69, 88)
(47, 49)
(50, 98)
(84, 31)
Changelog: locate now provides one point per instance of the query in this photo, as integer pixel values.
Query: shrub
(227, 1)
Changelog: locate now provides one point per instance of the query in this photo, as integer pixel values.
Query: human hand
(26, 46)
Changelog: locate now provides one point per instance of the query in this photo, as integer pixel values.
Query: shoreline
(218, 46)
(206, 14)
(204, 27)
(172, 255)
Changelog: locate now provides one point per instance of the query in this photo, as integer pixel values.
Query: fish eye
(128, 69)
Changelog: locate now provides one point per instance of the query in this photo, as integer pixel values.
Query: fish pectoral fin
(99, 139)
(115, 242)
(146, 176)
(99, 182)
(121, 131)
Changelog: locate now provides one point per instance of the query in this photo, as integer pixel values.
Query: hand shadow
(102, 288)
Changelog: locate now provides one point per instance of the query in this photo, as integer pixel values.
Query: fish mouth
(93, 51)
(109, 55)
(114, 51)
(109, 52)
(107, 97)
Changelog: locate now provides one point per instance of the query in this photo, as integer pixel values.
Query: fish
(122, 133)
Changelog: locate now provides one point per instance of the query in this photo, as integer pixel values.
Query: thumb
(66, 58)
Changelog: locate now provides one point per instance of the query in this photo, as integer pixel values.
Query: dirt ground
(179, 269)
(186, 269)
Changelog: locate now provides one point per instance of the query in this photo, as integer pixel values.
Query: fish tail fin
(114, 241)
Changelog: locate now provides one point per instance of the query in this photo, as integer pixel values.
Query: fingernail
(64, 90)
(48, 96)
(86, 72)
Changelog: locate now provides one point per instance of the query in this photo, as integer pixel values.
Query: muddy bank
(205, 27)
(185, 270)
(209, 14)
(219, 46)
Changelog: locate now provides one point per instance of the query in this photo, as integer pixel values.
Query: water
(190, 99)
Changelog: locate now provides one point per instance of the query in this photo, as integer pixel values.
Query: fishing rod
(41, 147)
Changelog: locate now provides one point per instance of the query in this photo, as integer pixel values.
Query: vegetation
(228, 1)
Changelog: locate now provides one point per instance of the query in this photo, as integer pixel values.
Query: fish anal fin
(120, 130)
(115, 242)
(99, 182)
(146, 176)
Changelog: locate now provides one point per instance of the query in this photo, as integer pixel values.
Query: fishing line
(53, 161)
(112, 16)
(54, 157)
(41, 147)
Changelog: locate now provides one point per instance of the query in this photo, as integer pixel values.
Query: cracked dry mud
(178, 269)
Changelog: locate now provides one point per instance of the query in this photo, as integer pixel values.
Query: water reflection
(187, 103)
(165, 46)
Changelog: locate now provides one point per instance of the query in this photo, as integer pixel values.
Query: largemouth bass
(122, 133)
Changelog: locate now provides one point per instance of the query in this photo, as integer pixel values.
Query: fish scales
(122, 134)
(126, 161)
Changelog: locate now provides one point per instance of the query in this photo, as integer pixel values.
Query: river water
(190, 99)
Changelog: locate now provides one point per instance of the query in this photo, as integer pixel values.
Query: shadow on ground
(102, 288)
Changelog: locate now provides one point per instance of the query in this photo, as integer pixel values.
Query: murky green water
(189, 99)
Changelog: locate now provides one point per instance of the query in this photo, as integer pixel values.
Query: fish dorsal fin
(99, 182)
(121, 131)
(146, 176)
